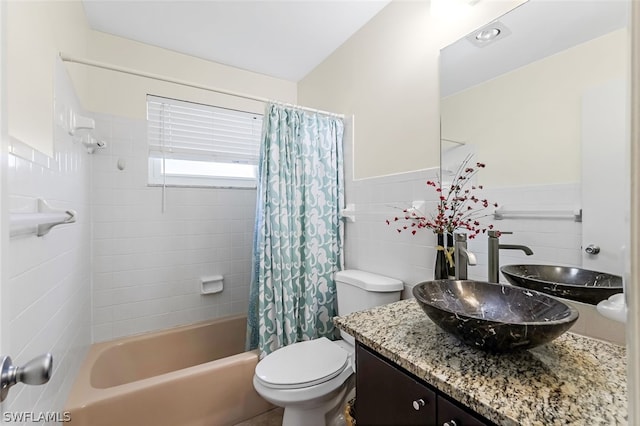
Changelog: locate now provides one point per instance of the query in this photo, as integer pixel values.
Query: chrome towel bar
(502, 213)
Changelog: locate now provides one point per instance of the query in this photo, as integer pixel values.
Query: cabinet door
(450, 414)
(386, 395)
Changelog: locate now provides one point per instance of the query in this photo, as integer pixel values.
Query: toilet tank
(359, 290)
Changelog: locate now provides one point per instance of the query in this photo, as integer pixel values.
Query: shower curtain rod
(68, 58)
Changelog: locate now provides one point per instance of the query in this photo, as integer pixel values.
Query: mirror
(544, 105)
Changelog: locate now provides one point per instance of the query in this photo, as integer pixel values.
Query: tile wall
(554, 241)
(372, 245)
(48, 278)
(147, 263)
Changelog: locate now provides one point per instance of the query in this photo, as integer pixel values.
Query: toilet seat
(302, 364)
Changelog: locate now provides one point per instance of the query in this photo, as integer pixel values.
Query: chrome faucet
(494, 253)
(459, 252)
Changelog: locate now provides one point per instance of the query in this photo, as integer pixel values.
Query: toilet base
(326, 411)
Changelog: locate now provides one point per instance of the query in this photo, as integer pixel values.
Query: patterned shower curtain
(299, 235)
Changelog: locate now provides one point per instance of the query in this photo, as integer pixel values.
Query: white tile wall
(147, 263)
(49, 279)
(372, 245)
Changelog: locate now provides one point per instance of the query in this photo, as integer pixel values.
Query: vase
(451, 267)
(440, 270)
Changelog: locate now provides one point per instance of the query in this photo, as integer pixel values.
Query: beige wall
(387, 76)
(122, 94)
(534, 111)
(36, 31)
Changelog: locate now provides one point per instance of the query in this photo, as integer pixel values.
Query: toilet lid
(302, 364)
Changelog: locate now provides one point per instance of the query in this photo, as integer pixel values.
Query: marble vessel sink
(494, 317)
(581, 285)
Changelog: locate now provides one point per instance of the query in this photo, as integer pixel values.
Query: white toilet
(312, 379)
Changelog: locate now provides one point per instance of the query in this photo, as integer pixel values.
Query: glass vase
(440, 270)
(451, 267)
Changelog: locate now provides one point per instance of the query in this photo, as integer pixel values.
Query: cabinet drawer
(386, 395)
(450, 414)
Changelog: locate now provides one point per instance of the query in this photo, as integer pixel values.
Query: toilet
(312, 379)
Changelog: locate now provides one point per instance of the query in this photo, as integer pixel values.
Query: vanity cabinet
(386, 396)
(389, 395)
(453, 414)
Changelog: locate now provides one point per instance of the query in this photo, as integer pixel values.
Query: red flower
(457, 207)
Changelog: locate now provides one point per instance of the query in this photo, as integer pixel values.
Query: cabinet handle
(450, 423)
(418, 404)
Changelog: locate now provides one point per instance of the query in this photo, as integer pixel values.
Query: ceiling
(280, 38)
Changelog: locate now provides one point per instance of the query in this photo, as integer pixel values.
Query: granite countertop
(572, 380)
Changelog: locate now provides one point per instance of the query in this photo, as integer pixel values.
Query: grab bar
(41, 221)
(502, 213)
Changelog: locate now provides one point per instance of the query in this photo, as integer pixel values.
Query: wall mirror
(541, 96)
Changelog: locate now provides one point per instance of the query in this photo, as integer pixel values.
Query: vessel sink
(494, 317)
(581, 285)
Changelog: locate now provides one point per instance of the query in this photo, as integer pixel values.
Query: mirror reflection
(540, 97)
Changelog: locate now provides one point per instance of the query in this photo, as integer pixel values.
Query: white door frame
(4, 197)
(633, 290)
(4, 211)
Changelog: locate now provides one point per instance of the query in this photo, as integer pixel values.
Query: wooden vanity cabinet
(388, 395)
(453, 414)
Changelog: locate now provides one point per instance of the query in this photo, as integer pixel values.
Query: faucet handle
(495, 233)
(460, 237)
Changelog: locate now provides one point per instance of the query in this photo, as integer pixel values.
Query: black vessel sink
(581, 285)
(494, 317)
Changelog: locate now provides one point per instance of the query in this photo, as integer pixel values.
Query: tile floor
(270, 418)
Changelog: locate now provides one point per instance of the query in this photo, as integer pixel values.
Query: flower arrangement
(459, 207)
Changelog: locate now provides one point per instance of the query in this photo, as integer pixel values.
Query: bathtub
(194, 375)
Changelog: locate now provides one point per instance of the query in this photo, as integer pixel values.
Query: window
(201, 145)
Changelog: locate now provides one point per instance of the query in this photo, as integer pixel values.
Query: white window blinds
(190, 131)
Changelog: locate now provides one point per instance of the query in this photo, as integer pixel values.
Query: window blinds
(190, 131)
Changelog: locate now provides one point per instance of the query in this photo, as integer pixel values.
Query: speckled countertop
(573, 380)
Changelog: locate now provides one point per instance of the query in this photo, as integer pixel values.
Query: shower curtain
(298, 235)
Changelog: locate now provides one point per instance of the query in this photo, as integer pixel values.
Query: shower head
(92, 143)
